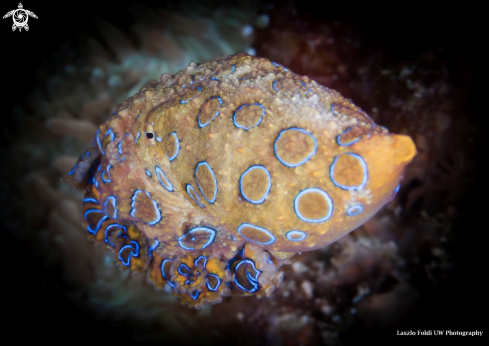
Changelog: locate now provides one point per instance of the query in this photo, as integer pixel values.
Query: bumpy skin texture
(214, 177)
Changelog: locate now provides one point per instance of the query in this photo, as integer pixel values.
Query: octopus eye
(149, 135)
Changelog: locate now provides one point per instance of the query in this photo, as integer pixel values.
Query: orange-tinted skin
(267, 164)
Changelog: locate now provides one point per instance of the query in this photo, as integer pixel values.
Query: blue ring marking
(114, 202)
(184, 102)
(234, 68)
(119, 148)
(308, 156)
(212, 235)
(104, 179)
(87, 153)
(177, 141)
(128, 260)
(274, 87)
(338, 138)
(107, 229)
(137, 137)
(204, 163)
(196, 195)
(114, 112)
(200, 258)
(261, 200)
(158, 213)
(132, 253)
(137, 248)
(153, 247)
(217, 284)
(158, 138)
(354, 210)
(364, 169)
(301, 235)
(106, 134)
(162, 268)
(148, 173)
(180, 270)
(261, 229)
(322, 193)
(100, 221)
(246, 105)
(215, 115)
(253, 280)
(89, 199)
(195, 295)
(163, 180)
(214, 78)
(278, 91)
(122, 235)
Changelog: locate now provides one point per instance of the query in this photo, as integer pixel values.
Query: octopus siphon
(213, 178)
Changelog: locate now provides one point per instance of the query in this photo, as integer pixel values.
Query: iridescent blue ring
(354, 210)
(102, 175)
(269, 186)
(215, 115)
(204, 258)
(162, 269)
(313, 152)
(113, 200)
(107, 230)
(102, 219)
(253, 280)
(301, 235)
(163, 180)
(210, 231)
(177, 149)
(158, 213)
(261, 229)
(204, 163)
(209, 287)
(247, 105)
(135, 253)
(364, 171)
(190, 187)
(338, 138)
(322, 193)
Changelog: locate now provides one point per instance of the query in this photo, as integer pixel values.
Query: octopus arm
(81, 174)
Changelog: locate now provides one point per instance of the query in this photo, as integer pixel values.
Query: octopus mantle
(216, 176)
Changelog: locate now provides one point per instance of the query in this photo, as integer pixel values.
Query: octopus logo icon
(20, 17)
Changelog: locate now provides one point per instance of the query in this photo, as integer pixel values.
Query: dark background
(34, 306)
